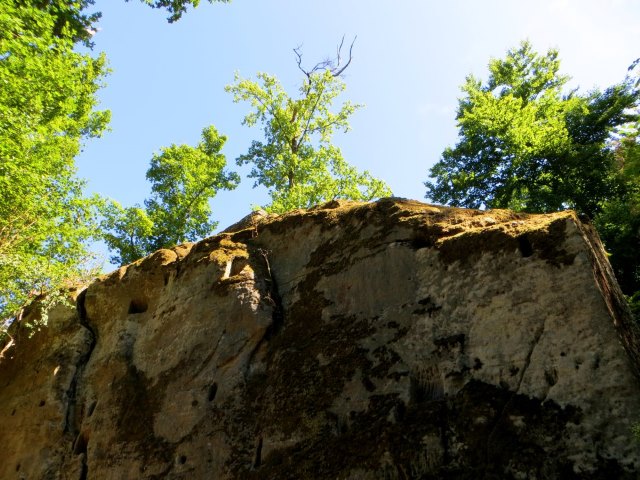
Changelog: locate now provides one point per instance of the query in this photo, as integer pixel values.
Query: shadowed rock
(390, 340)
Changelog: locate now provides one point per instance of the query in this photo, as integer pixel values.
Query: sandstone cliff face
(392, 340)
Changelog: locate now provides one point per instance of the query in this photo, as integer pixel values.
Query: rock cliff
(393, 340)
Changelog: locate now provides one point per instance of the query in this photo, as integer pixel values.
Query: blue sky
(410, 58)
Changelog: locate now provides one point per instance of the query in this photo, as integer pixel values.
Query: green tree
(183, 181)
(297, 161)
(47, 110)
(619, 221)
(526, 146)
(71, 18)
(47, 100)
(176, 7)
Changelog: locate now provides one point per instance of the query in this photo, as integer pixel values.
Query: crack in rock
(72, 422)
(277, 313)
(503, 411)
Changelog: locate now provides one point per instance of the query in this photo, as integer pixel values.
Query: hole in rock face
(258, 458)
(399, 411)
(525, 247)
(234, 267)
(213, 389)
(91, 408)
(551, 376)
(194, 403)
(18, 468)
(42, 403)
(421, 240)
(237, 265)
(182, 460)
(368, 384)
(81, 443)
(137, 306)
(477, 364)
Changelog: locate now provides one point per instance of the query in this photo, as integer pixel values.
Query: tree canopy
(297, 161)
(619, 221)
(183, 181)
(619, 227)
(176, 8)
(525, 145)
(47, 109)
(71, 19)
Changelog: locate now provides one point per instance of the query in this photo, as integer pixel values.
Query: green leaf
(296, 160)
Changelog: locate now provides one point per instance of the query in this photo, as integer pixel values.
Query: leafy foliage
(70, 19)
(176, 7)
(619, 228)
(47, 102)
(297, 160)
(619, 221)
(526, 146)
(183, 180)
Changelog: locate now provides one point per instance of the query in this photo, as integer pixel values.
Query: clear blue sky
(410, 58)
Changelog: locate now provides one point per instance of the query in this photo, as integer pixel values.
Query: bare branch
(335, 72)
(333, 65)
(299, 59)
(339, 50)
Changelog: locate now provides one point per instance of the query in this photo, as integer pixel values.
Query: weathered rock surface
(392, 340)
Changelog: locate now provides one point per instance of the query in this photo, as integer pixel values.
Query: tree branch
(333, 65)
(310, 117)
(337, 73)
(267, 108)
(299, 60)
